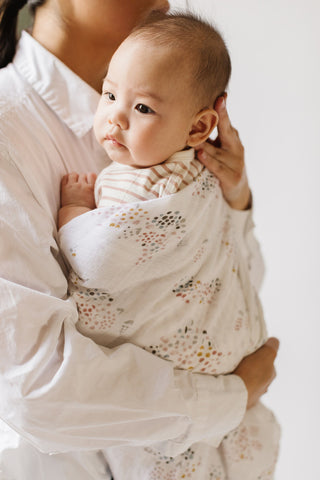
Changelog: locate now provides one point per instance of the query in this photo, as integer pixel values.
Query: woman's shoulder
(13, 89)
(16, 98)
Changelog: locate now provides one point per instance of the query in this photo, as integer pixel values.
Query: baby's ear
(204, 122)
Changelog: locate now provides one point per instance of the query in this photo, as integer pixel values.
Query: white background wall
(274, 102)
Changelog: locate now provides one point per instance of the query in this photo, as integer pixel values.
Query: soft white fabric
(167, 271)
(60, 391)
(167, 274)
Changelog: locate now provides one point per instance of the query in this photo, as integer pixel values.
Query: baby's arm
(77, 196)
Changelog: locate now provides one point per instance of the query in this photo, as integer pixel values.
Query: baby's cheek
(96, 127)
(99, 125)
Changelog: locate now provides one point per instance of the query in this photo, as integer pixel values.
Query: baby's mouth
(113, 141)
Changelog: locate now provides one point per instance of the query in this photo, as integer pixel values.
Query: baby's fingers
(88, 178)
(91, 178)
(64, 180)
(72, 177)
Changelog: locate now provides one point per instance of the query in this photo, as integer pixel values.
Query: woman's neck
(88, 60)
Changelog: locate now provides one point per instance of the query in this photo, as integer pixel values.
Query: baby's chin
(119, 155)
(123, 157)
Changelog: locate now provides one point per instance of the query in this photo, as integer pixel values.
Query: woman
(62, 393)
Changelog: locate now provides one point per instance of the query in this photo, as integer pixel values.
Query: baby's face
(146, 109)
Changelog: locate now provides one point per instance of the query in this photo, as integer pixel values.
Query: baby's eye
(109, 96)
(143, 108)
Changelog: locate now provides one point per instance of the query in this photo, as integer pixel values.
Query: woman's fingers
(223, 170)
(228, 136)
(208, 151)
(273, 343)
(230, 171)
(225, 158)
(257, 370)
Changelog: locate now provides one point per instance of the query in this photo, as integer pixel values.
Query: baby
(161, 262)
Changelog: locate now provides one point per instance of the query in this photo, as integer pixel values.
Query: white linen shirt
(63, 397)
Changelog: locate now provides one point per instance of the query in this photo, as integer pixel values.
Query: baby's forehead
(139, 65)
(167, 57)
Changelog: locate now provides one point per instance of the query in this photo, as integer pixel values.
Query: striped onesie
(119, 183)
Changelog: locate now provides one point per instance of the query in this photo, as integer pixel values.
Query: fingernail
(223, 103)
(201, 154)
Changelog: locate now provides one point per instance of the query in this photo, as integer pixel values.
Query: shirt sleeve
(249, 245)
(59, 389)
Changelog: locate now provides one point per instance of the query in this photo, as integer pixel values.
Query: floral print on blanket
(191, 349)
(167, 468)
(206, 183)
(196, 290)
(202, 316)
(96, 307)
(242, 443)
(188, 465)
(151, 233)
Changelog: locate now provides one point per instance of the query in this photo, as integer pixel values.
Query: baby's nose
(119, 119)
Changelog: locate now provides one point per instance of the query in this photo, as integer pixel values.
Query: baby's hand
(77, 196)
(78, 190)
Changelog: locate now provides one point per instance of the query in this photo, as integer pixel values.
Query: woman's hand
(257, 370)
(225, 158)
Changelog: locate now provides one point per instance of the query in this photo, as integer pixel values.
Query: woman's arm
(63, 392)
(59, 389)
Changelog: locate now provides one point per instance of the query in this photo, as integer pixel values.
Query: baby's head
(159, 93)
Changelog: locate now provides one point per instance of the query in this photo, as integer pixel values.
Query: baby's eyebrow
(109, 81)
(144, 92)
(139, 92)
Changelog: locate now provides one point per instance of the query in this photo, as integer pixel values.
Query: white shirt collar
(72, 99)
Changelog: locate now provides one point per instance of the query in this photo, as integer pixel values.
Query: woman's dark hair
(9, 10)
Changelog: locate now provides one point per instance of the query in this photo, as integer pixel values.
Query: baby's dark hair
(196, 42)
